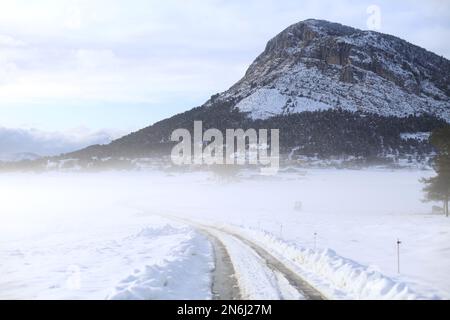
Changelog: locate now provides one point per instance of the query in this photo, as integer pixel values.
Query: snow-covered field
(110, 235)
(76, 237)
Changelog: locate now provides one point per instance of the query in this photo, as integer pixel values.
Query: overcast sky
(101, 64)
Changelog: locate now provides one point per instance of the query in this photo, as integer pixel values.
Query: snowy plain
(104, 235)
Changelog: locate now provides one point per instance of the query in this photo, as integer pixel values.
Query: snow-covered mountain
(332, 90)
(317, 65)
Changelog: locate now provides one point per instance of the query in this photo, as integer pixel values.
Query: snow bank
(165, 230)
(184, 275)
(335, 276)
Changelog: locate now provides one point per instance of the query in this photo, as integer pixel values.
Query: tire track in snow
(276, 265)
(257, 281)
(244, 259)
(224, 284)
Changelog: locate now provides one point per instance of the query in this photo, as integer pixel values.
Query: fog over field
(118, 234)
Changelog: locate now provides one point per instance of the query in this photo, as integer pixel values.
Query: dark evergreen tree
(438, 187)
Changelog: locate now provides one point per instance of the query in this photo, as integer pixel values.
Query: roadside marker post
(315, 240)
(398, 255)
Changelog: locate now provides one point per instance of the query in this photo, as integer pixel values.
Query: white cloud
(8, 41)
(97, 58)
(7, 72)
(146, 51)
(73, 20)
(15, 141)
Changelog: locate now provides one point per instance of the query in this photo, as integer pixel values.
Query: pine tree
(438, 187)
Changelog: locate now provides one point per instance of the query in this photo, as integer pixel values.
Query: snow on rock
(265, 102)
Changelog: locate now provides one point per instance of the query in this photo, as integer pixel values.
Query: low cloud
(8, 41)
(15, 142)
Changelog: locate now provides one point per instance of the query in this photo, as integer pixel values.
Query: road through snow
(246, 270)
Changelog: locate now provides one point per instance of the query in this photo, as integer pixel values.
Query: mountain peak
(313, 77)
(327, 27)
(317, 64)
(305, 31)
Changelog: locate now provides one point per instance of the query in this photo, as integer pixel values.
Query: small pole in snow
(281, 230)
(315, 240)
(398, 255)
